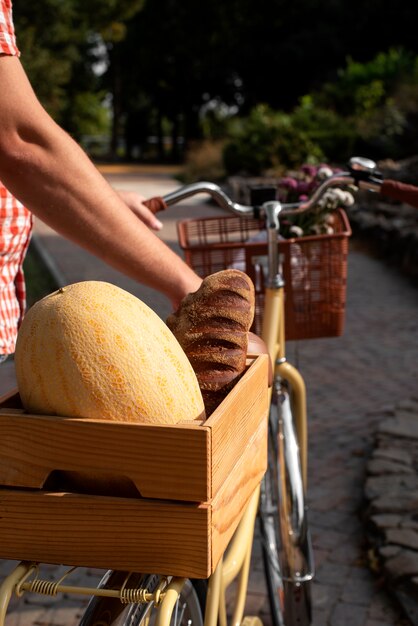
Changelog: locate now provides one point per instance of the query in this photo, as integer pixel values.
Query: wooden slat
(225, 457)
(115, 533)
(187, 462)
(127, 533)
(231, 500)
(236, 419)
(159, 460)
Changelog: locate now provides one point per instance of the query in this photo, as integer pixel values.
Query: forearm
(52, 176)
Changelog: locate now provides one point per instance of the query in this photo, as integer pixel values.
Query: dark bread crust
(212, 327)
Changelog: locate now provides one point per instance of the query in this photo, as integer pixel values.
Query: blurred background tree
(67, 46)
(234, 86)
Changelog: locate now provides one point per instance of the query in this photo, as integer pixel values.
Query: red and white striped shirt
(15, 226)
(7, 32)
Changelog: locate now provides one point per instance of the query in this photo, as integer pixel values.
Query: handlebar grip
(400, 191)
(155, 204)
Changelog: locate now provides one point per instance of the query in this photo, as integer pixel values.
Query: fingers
(135, 203)
(147, 217)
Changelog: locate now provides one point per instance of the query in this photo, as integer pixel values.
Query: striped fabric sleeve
(15, 231)
(7, 34)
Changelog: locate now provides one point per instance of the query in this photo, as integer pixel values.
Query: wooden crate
(188, 485)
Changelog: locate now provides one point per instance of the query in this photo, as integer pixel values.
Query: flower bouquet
(298, 187)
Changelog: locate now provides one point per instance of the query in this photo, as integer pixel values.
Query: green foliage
(378, 101)
(267, 141)
(89, 115)
(334, 136)
(166, 64)
(59, 42)
(371, 108)
(108, 17)
(362, 87)
(204, 161)
(48, 44)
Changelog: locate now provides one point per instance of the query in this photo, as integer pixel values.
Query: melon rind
(93, 350)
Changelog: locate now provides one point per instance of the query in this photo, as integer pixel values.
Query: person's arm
(47, 171)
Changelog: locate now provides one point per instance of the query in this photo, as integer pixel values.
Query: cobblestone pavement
(350, 381)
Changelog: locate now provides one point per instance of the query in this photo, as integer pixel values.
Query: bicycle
(130, 598)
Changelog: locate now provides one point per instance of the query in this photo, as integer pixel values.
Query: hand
(191, 284)
(257, 346)
(134, 202)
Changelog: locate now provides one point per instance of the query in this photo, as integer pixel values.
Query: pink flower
(304, 188)
(309, 170)
(288, 183)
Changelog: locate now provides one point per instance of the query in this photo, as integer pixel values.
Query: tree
(60, 48)
(167, 61)
(172, 58)
(108, 20)
(48, 39)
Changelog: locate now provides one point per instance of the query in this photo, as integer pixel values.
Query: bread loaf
(212, 327)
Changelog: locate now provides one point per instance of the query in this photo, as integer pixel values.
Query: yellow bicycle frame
(236, 562)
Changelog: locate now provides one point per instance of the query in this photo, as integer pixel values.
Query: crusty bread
(212, 327)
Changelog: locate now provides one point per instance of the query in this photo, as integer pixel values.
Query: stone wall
(391, 490)
(390, 229)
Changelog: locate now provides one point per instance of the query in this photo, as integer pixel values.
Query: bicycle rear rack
(20, 582)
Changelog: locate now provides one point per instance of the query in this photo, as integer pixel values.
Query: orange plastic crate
(314, 268)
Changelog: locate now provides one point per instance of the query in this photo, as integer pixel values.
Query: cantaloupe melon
(94, 350)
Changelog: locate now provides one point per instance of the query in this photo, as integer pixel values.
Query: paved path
(350, 380)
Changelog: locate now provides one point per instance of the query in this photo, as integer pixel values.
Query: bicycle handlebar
(212, 190)
(155, 204)
(400, 191)
(362, 173)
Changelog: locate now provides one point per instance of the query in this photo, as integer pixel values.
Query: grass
(39, 282)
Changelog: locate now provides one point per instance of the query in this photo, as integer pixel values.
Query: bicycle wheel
(286, 549)
(189, 609)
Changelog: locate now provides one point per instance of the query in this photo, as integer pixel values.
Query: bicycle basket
(314, 268)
